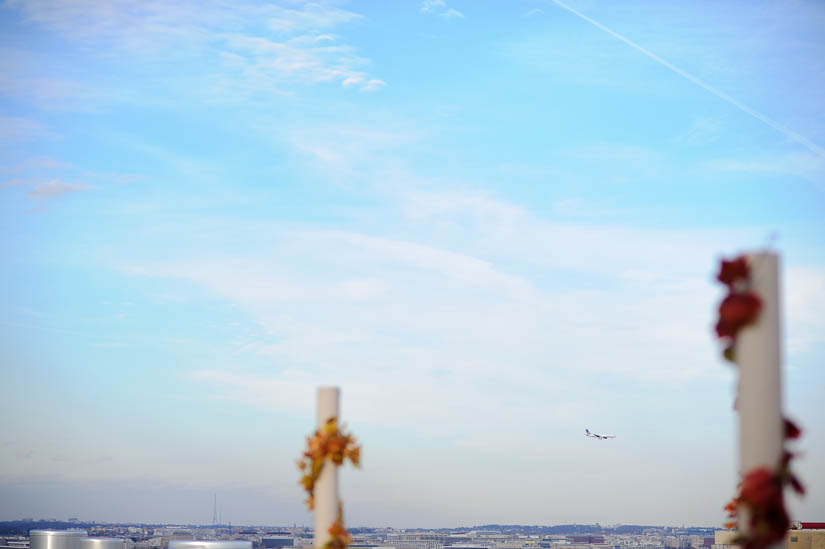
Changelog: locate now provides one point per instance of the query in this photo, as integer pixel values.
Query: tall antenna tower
(215, 511)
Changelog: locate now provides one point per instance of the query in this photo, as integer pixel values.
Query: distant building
(723, 539)
(802, 535)
(274, 542)
(14, 542)
(590, 540)
(806, 535)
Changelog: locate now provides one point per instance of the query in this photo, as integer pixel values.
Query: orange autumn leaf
(327, 443)
(339, 538)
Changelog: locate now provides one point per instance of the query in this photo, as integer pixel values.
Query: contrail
(792, 135)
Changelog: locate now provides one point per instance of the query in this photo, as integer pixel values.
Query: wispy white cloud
(44, 179)
(461, 268)
(54, 188)
(373, 84)
(17, 182)
(441, 9)
(312, 16)
(628, 162)
(15, 128)
(347, 150)
(22, 79)
(453, 302)
(428, 204)
(262, 47)
(45, 163)
(430, 6)
(702, 131)
(804, 165)
(265, 64)
(514, 231)
(128, 24)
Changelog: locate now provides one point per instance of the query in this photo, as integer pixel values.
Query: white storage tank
(56, 539)
(209, 544)
(102, 543)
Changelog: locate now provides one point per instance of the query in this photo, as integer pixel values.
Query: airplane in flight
(600, 437)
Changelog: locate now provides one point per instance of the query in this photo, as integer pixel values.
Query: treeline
(22, 527)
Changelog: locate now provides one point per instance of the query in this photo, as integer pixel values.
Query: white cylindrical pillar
(759, 356)
(326, 487)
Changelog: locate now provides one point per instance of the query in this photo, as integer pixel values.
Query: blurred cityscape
(803, 535)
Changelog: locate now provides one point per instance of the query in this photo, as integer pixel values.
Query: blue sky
(492, 224)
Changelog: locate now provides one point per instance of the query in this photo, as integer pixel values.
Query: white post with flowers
(326, 487)
(759, 355)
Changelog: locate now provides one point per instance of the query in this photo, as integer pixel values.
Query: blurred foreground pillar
(759, 356)
(326, 487)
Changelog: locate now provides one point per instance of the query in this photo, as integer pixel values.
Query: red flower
(735, 311)
(762, 493)
(725, 330)
(740, 307)
(760, 487)
(796, 485)
(732, 271)
(786, 476)
(791, 430)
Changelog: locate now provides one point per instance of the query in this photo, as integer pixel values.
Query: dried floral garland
(339, 538)
(740, 307)
(333, 444)
(761, 491)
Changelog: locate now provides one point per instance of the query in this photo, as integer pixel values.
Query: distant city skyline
(492, 225)
(74, 520)
(494, 536)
